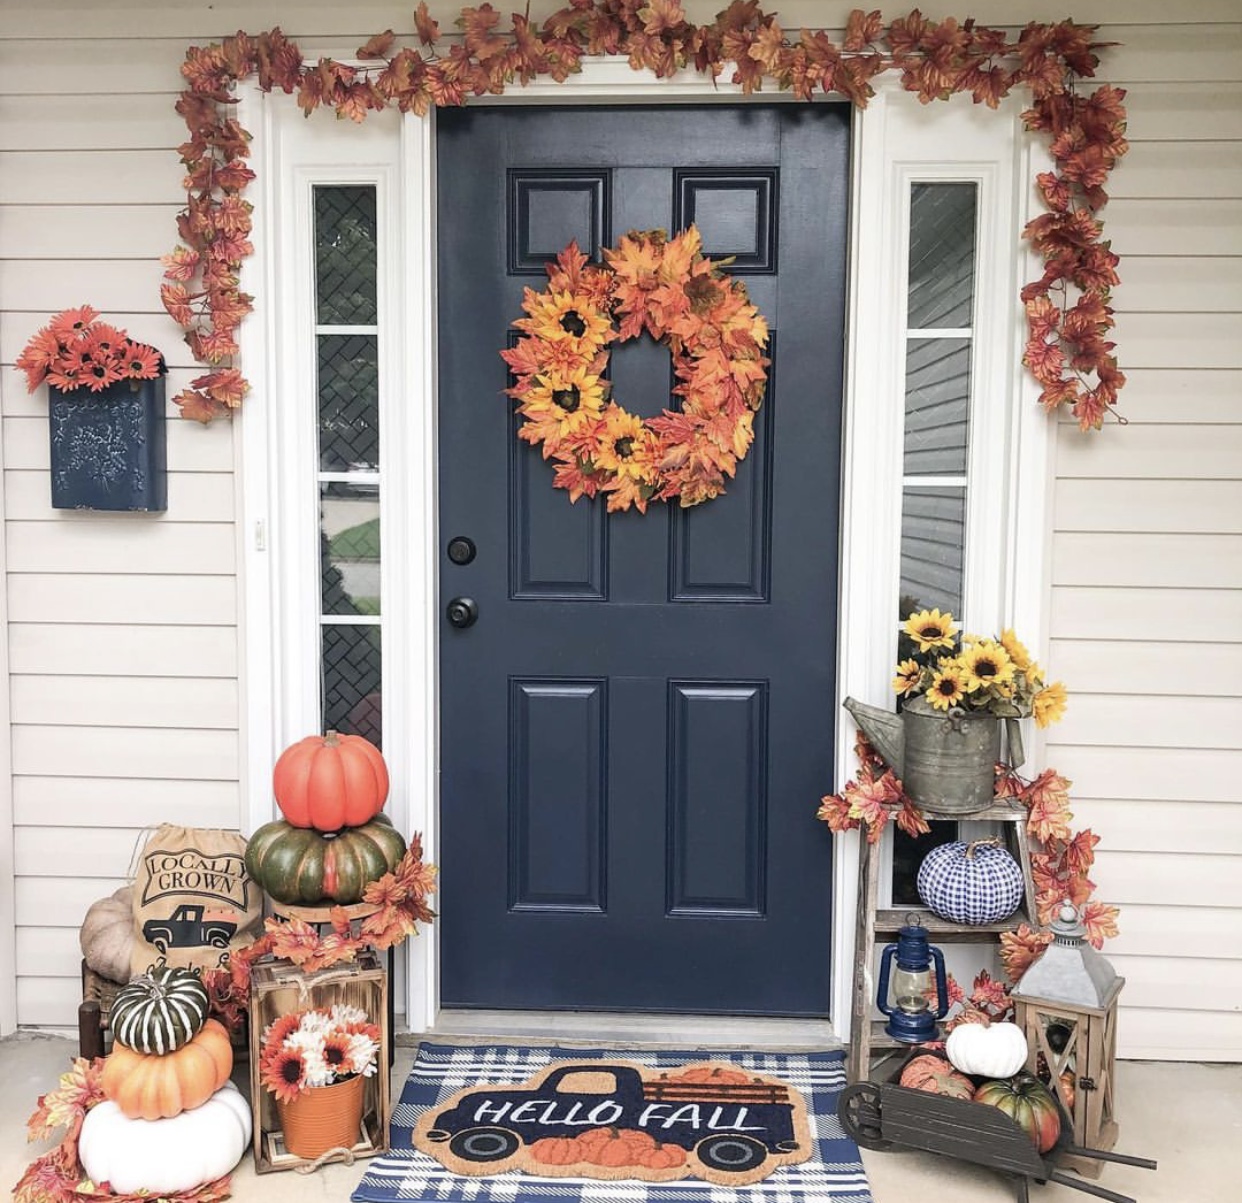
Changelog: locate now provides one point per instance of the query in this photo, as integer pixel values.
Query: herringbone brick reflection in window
(348, 402)
(345, 256)
(352, 699)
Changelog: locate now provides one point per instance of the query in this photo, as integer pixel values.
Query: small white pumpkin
(164, 1156)
(996, 1050)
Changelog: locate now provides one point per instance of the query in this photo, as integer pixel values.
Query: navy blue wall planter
(109, 449)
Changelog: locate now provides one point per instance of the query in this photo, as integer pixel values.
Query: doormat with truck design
(523, 1124)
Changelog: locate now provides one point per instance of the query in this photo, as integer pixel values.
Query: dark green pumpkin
(302, 867)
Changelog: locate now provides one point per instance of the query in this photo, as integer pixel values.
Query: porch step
(602, 1027)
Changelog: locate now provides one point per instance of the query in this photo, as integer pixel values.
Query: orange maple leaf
(377, 46)
(1047, 801)
(910, 819)
(862, 29)
(1019, 949)
(869, 803)
(428, 30)
(181, 264)
(197, 406)
(227, 386)
(1100, 920)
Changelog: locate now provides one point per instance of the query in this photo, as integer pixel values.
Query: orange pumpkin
(331, 781)
(153, 1086)
(594, 1139)
(936, 1076)
(556, 1150)
(712, 1073)
(615, 1147)
(662, 1157)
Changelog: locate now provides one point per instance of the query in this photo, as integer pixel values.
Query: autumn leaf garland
(667, 288)
(1068, 308)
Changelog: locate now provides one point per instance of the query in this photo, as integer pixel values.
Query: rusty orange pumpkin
(936, 1076)
(154, 1086)
(330, 781)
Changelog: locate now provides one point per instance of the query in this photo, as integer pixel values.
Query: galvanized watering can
(945, 760)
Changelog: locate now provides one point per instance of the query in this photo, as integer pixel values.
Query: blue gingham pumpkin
(970, 883)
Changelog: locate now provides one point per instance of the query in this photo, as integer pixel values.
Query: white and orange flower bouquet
(317, 1047)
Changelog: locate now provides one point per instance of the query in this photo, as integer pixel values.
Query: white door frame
(8, 834)
(1012, 589)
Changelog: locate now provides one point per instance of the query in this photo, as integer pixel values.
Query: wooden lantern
(1066, 1004)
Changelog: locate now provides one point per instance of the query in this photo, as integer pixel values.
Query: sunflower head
(986, 664)
(568, 317)
(1049, 704)
(947, 686)
(559, 405)
(626, 446)
(930, 629)
(909, 673)
(1017, 650)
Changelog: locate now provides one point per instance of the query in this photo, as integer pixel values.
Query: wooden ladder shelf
(867, 1035)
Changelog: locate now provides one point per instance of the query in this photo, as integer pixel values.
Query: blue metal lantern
(910, 1017)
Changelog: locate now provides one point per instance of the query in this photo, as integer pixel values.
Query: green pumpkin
(303, 867)
(160, 1010)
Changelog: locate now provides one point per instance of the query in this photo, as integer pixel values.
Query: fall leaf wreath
(670, 289)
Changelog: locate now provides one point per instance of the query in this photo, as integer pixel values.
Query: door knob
(463, 612)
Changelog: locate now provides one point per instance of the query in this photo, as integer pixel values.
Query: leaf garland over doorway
(1069, 314)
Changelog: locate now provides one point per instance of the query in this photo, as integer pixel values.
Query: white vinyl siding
(1147, 555)
(123, 636)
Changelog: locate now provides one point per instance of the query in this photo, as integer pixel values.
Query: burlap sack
(193, 900)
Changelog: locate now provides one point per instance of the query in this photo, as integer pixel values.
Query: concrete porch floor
(1188, 1117)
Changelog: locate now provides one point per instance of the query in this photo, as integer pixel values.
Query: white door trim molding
(871, 452)
(8, 869)
(898, 142)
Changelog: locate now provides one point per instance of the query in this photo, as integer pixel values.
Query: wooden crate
(280, 988)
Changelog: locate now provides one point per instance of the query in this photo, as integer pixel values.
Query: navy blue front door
(637, 727)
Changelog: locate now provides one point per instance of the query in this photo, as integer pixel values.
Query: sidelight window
(940, 297)
(348, 466)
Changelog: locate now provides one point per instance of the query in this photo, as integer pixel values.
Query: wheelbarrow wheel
(859, 1112)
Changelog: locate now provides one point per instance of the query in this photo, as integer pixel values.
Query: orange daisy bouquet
(317, 1048)
(75, 350)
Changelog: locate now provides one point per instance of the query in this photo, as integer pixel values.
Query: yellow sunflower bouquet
(968, 672)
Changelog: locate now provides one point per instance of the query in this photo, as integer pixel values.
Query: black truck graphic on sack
(708, 1120)
(186, 928)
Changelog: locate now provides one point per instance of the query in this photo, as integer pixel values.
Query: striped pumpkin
(160, 1010)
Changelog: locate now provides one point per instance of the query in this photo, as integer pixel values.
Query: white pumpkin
(996, 1050)
(107, 935)
(164, 1156)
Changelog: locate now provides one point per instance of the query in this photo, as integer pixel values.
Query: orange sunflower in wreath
(668, 288)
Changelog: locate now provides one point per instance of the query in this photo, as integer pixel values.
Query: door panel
(636, 731)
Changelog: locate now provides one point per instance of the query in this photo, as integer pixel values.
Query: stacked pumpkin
(172, 1119)
(333, 841)
(984, 1065)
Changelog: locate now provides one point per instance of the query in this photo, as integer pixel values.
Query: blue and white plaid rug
(834, 1174)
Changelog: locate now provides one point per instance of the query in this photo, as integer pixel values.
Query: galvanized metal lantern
(910, 1017)
(1066, 1003)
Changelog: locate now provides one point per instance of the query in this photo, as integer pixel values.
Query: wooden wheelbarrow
(879, 1115)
